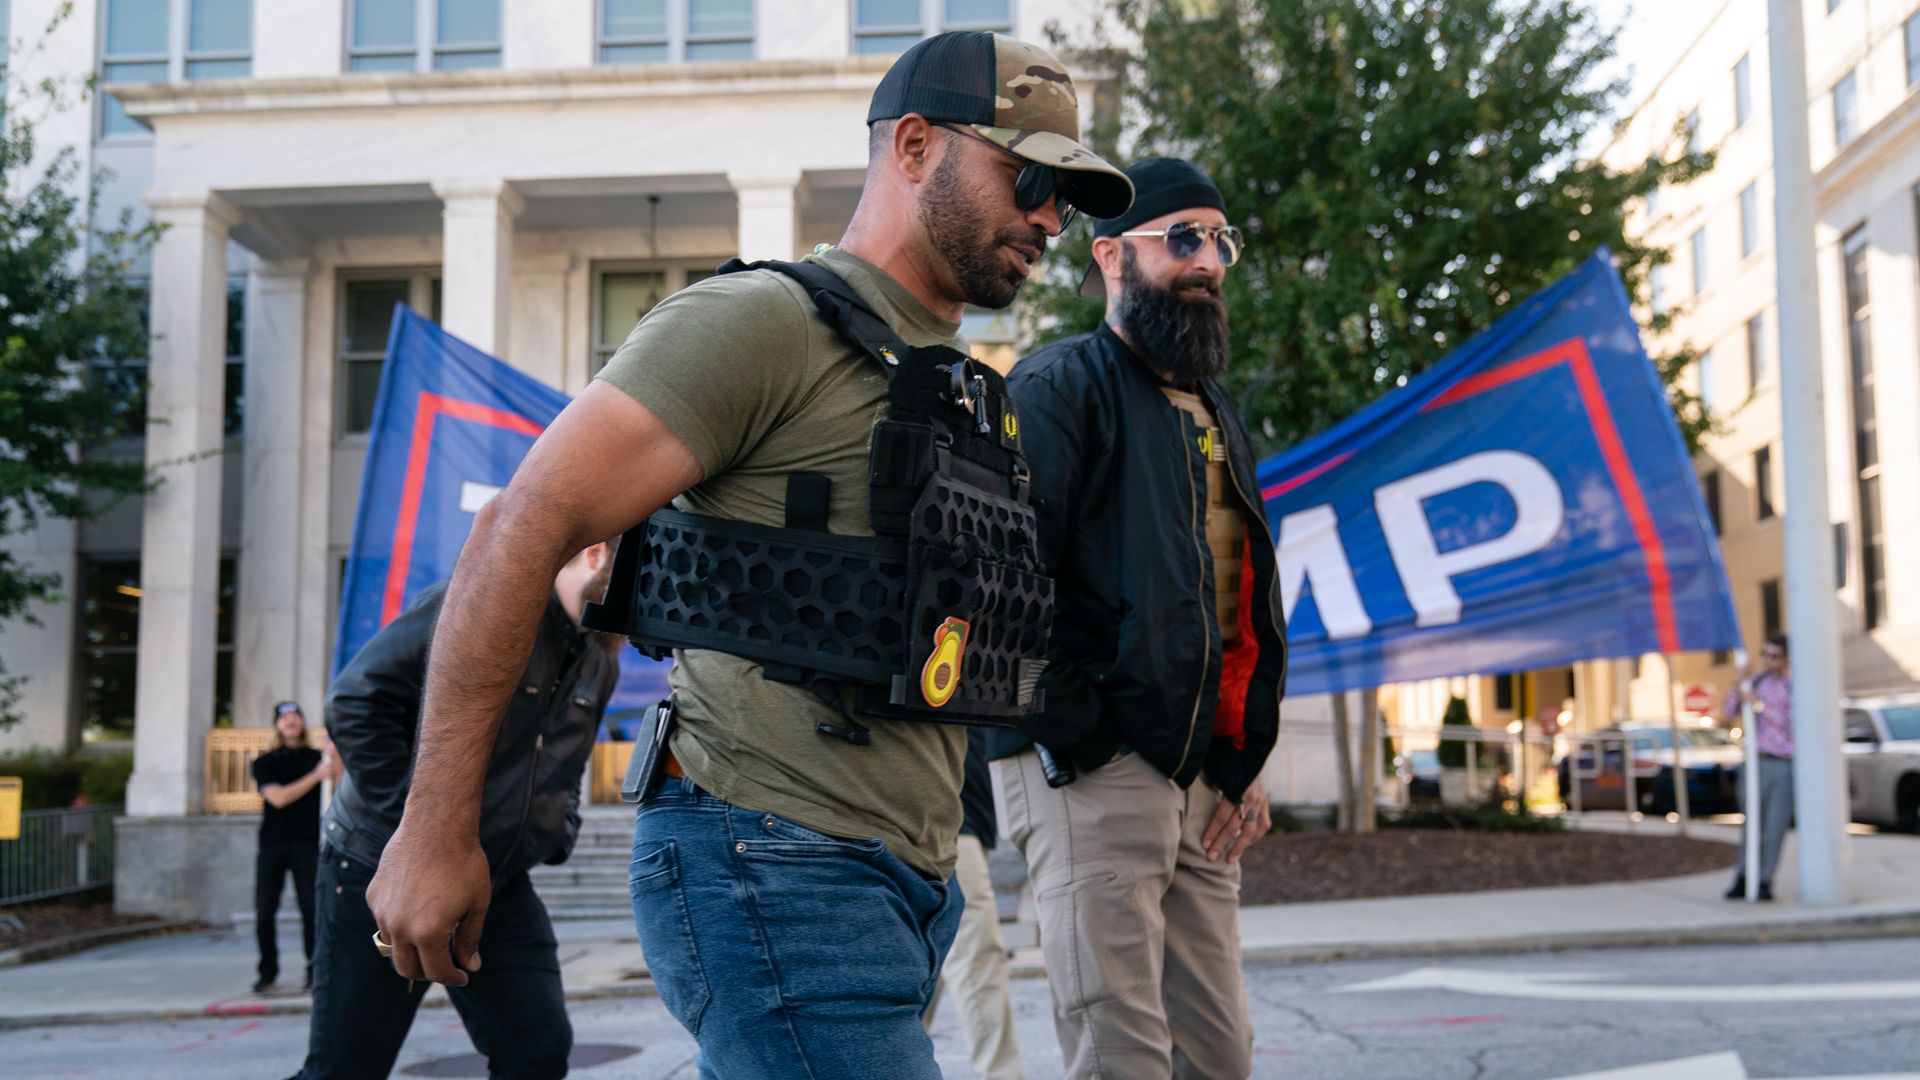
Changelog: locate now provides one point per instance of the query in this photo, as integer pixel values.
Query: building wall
(1867, 183)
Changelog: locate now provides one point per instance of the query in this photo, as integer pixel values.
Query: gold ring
(381, 944)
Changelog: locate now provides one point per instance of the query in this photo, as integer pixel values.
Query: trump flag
(449, 426)
(1527, 502)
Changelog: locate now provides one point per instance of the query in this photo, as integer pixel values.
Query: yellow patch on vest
(941, 677)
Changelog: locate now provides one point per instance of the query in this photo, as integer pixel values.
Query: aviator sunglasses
(1034, 186)
(1184, 239)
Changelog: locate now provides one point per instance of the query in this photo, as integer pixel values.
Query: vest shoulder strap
(842, 307)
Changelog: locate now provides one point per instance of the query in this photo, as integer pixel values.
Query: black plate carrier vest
(942, 615)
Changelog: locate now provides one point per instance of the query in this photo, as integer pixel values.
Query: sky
(1653, 34)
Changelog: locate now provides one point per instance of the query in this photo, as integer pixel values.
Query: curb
(87, 939)
(1830, 929)
(247, 1007)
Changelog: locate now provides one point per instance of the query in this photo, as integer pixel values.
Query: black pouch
(649, 761)
(975, 588)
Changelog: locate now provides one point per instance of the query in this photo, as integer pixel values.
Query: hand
(1235, 826)
(330, 761)
(429, 898)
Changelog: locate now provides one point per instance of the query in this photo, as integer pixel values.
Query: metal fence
(59, 852)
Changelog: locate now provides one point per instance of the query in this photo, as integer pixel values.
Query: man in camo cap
(791, 883)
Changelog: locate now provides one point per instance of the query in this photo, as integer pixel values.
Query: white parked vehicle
(1883, 760)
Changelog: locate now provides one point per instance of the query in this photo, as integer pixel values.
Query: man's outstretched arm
(605, 463)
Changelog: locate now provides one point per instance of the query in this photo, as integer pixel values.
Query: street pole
(1819, 771)
(1680, 773)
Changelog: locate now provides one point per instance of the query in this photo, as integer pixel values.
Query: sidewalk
(208, 972)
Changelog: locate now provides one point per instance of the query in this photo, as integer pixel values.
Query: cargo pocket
(666, 931)
(1094, 928)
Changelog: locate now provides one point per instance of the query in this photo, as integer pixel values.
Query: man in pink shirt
(1770, 693)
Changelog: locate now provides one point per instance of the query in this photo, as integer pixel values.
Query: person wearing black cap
(289, 776)
(793, 848)
(1168, 656)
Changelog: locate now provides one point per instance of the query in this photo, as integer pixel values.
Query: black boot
(1739, 889)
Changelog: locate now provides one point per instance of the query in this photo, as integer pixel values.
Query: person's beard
(1186, 340)
(952, 217)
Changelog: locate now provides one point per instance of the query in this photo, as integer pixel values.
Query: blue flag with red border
(1527, 502)
(450, 425)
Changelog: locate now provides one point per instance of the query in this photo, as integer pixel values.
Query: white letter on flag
(1424, 571)
(1309, 552)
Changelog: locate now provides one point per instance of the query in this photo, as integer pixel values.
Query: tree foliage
(66, 300)
(1405, 171)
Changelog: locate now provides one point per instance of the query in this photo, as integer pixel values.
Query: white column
(1819, 772)
(180, 536)
(769, 213)
(269, 631)
(477, 259)
(313, 662)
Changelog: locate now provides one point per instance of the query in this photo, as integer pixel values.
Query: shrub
(1492, 816)
(51, 780)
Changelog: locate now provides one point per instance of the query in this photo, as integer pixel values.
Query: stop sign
(1698, 699)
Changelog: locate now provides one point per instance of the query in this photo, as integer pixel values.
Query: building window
(124, 378)
(1710, 494)
(1697, 245)
(1771, 618)
(139, 44)
(219, 39)
(1763, 484)
(1866, 434)
(107, 652)
(1758, 370)
(1839, 554)
(625, 293)
(1694, 145)
(366, 318)
(1912, 32)
(1846, 110)
(1697, 249)
(136, 52)
(1657, 290)
(392, 35)
(1503, 692)
(109, 647)
(1749, 219)
(1703, 367)
(661, 31)
(234, 408)
(1742, 92)
(891, 26)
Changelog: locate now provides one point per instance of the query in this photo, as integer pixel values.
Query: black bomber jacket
(530, 804)
(1135, 659)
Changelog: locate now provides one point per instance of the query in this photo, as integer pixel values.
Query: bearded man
(1168, 656)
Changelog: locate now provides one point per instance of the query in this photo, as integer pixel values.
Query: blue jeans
(787, 953)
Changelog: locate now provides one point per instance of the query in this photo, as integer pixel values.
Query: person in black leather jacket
(1168, 656)
(529, 815)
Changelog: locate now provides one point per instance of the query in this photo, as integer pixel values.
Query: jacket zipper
(533, 764)
(1200, 564)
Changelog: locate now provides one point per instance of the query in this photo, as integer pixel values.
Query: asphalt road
(1792, 1010)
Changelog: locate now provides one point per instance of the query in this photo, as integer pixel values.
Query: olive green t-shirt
(742, 368)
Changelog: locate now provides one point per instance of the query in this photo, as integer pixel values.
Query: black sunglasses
(1034, 186)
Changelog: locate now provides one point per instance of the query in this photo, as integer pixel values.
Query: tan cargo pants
(975, 972)
(1140, 932)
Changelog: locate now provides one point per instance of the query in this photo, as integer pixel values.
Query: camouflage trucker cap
(1014, 94)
